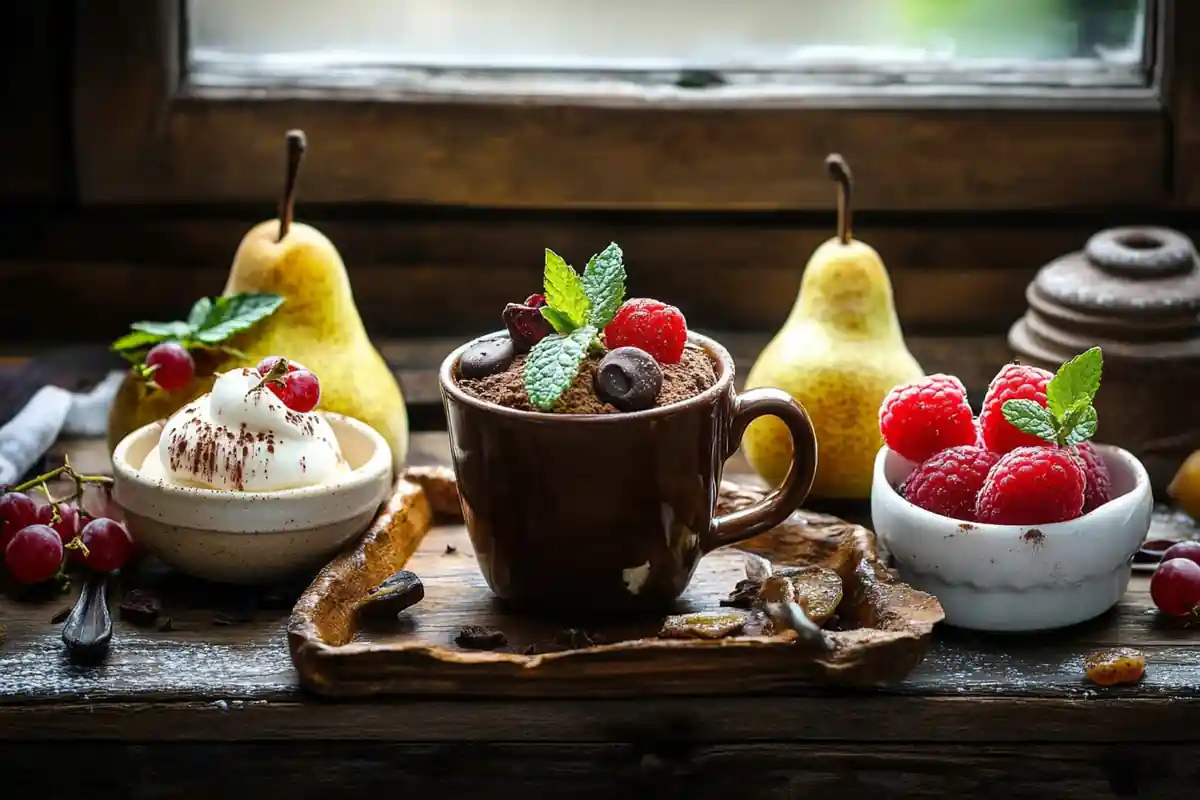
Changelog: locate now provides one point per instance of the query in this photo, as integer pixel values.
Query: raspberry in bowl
(249, 483)
(589, 438)
(1016, 521)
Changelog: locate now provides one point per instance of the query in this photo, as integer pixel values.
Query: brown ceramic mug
(611, 512)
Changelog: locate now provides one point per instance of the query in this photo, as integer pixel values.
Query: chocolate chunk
(629, 378)
(450, 550)
(486, 358)
(61, 615)
(744, 594)
(399, 591)
(477, 637)
(526, 326)
(139, 607)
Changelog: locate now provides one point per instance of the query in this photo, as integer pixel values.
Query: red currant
(1188, 550)
(535, 300)
(67, 524)
(301, 391)
(1175, 587)
(174, 365)
(108, 544)
(35, 554)
(16, 511)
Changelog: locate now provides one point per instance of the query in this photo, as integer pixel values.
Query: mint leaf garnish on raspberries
(577, 308)
(553, 364)
(1068, 417)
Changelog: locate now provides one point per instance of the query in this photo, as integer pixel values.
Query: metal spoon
(88, 629)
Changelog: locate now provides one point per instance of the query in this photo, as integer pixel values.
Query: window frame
(145, 134)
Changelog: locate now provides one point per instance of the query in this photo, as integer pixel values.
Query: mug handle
(777, 506)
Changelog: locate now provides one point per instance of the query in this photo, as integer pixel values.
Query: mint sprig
(577, 307)
(1068, 417)
(210, 322)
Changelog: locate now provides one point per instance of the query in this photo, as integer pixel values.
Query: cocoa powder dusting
(690, 376)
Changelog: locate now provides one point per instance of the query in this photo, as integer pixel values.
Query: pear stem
(296, 145)
(839, 170)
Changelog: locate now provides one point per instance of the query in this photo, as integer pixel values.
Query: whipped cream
(240, 438)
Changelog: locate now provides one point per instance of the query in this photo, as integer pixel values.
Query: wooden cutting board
(882, 632)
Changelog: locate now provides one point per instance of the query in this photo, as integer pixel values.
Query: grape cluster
(35, 541)
(1175, 585)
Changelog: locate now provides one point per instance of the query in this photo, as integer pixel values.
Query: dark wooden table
(211, 708)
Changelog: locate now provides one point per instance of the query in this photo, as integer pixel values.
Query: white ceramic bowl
(252, 537)
(1016, 577)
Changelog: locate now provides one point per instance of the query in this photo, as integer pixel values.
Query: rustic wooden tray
(885, 625)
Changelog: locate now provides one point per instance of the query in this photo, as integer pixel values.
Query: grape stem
(67, 471)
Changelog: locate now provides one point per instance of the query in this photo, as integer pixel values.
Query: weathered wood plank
(664, 769)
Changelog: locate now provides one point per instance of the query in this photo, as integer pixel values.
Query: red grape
(68, 520)
(175, 367)
(1188, 550)
(1175, 587)
(108, 544)
(35, 554)
(302, 391)
(265, 365)
(16, 511)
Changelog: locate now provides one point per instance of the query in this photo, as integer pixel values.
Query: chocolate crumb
(690, 376)
(574, 639)
(60, 615)
(450, 550)
(231, 617)
(139, 607)
(478, 637)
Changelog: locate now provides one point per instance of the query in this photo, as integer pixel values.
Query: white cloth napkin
(50, 413)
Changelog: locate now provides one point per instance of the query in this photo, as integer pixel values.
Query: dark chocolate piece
(399, 591)
(450, 550)
(486, 358)
(88, 630)
(61, 615)
(139, 607)
(629, 378)
(477, 637)
(526, 326)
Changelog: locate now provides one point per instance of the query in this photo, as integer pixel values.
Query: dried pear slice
(818, 590)
(703, 625)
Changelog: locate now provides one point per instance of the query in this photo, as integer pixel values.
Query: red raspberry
(921, 418)
(1014, 382)
(948, 482)
(1032, 486)
(655, 327)
(1097, 482)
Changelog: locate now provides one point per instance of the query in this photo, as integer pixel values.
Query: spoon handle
(88, 630)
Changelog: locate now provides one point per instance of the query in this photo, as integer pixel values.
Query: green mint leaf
(1075, 383)
(1079, 425)
(564, 289)
(553, 363)
(604, 284)
(199, 313)
(1030, 416)
(163, 330)
(136, 341)
(234, 314)
(558, 320)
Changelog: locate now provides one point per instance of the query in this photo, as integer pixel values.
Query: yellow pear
(318, 324)
(839, 354)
